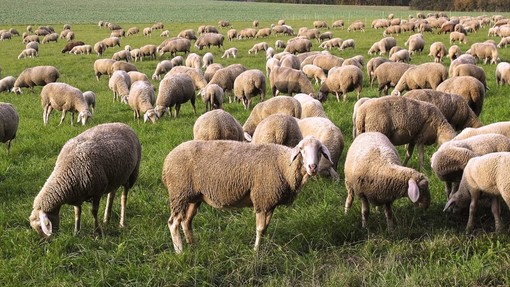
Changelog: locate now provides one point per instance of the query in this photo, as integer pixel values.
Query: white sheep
(9, 121)
(423, 76)
(249, 84)
(310, 107)
(119, 84)
(195, 74)
(262, 46)
(90, 98)
(483, 175)
(497, 127)
(217, 125)
(81, 49)
(388, 74)
(28, 53)
(212, 95)
(7, 83)
(173, 91)
(65, 98)
(207, 59)
(162, 68)
(122, 55)
(141, 99)
(503, 73)
(35, 76)
(230, 52)
(372, 64)
(282, 104)
(470, 88)
(290, 81)
(211, 70)
(278, 129)
(225, 78)
(95, 162)
(103, 67)
(314, 72)
(263, 176)
(438, 51)
(374, 173)
(401, 56)
(340, 81)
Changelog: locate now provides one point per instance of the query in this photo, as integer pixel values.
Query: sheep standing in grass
(454, 52)
(162, 68)
(290, 81)
(211, 70)
(423, 76)
(95, 162)
(141, 99)
(90, 98)
(207, 59)
(9, 121)
(119, 84)
(314, 72)
(103, 67)
(388, 74)
(225, 78)
(401, 56)
(217, 125)
(374, 173)
(249, 84)
(438, 51)
(372, 64)
(470, 70)
(174, 91)
(471, 89)
(278, 129)
(340, 81)
(487, 174)
(35, 76)
(282, 104)
(230, 52)
(65, 98)
(7, 83)
(212, 95)
(503, 73)
(262, 46)
(502, 128)
(263, 176)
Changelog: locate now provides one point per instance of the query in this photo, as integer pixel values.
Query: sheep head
(83, 116)
(418, 191)
(310, 150)
(41, 223)
(150, 115)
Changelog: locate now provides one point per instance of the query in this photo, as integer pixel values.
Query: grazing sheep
(137, 76)
(7, 83)
(404, 121)
(416, 44)
(314, 72)
(122, 66)
(449, 161)
(209, 39)
(243, 167)
(470, 88)
(278, 129)
(458, 37)
(32, 45)
(31, 38)
(394, 49)
(225, 78)
(147, 32)
(454, 52)
(65, 98)
(69, 46)
(211, 70)
(133, 31)
(247, 33)
(485, 52)
(279, 44)
(356, 61)
(401, 56)
(263, 32)
(340, 81)
(438, 51)
(338, 24)
(262, 46)
(230, 52)
(329, 135)
(356, 26)
(462, 59)
(136, 55)
(485, 175)
(374, 173)
(35, 76)
(175, 45)
(290, 61)
(9, 121)
(111, 42)
(103, 67)
(217, 125)
(470, 70)
(212, 95)
(193, 61)
(207, 60)
(231, 35)
(310, 107)
(349, 43)
(290, 81)
(282, 104)
(162, 68)
(99, 48)
(392, 30)
(149, 50)
(141, 99)
(90, 98)
(423, 76)
(502, 128)
(94, 163)
(388, 74)
(504, 42)
(255, 24)
(122, 55)
(503, 73)
(372, 64)
(195, 74)
(383, 46)
(28, 53)
(53, 37)
(81, 49)
(249, 84)
(269, 53)
(119, 84)
(332, 43)
(173, 91)
(298, 45)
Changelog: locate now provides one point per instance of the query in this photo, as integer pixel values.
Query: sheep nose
(312, 168)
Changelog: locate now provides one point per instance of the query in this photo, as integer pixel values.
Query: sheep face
(310, 150)
(83, 117)
(150, 115)
(418, 192)
(42, 222)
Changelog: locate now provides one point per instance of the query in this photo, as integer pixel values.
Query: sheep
(249, 84)
(471, 89)
(175, 45)
(31, 38)
(99, 48)
(454, 52)
(342, 80)
(282, 104)
(314, 72)
(69, 46)
(133, 31)
(28, 53)
(423, 76)
(374, 173)
(279, 44)
(416, 44)
(298, 45)
(356, 26)
(310, 107)
(290, 61)
(119, 84)
(331, 43)
(53, 37)
(7, 83)
(141, 99)
(470, 70)
(14, 32)
(269, 53)
(103, 67)
(122, 66)
(328, 134)
(255, 23)
(193, 61)
(290, 81)
(173, 91)
(503, 73)
(401, 56)
(247, 33)
(349, 43)
(338, 24)
(421, 123)
(147, 32)
(211, 70)
(388, 74)
(394, 49)
(243, 167)
(230, 52)
(231, 35)
(137, 76)
(225, 77)
(65, 98)
(483, 175)
(462, 59)
(149, 50)
(326, 61)
(207, 60)
(455, 109)
(217, 125)
(35, 76)
(437, 51)
(136, 55)
(157, 26)
(162, 68)
(118, 33)
(212, 95)
(372, 64)
(32, 45)
(81, 49)
(278, 129)
(9, 121)
(262, 46)
(504, 42)
(356, 61)
(263, 32)
(111, 41)
(458, 36)
(449, 161)
(391, 30)
(122, 55)
(94, 163)
(485, 51)
(177, 61)
(209, 39)
(90, 98)
(383, 46)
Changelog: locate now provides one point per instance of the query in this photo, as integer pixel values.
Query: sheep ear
(325, 153)
(413, 191)
(145, 117)
(45, 223)
(247, 137)
(294, 153)
(448, 204)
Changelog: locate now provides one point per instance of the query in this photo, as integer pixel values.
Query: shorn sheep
(96, 162)
(35, 76)
(263, 176)
(9, 121)
(483, 175)
(374, 173)
(217, 125)
(65, 98)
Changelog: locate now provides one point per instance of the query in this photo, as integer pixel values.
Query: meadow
(309, 243)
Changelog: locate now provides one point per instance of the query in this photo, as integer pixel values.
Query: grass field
(310, 243)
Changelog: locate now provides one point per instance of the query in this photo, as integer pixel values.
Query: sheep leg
(409, 152)
(63, 117)
(108, 208)
(95, 209)
(173, 224)
(337, 97)
(496, 213)
(123, 202)
(421, 153)
(72, 118)
(77, 219)
(193, 105)
(262, 219)
(46, 114)
(472, 210)
(390, 220)
(186, 224)
(348, 200)
(177, 109)
(365, 210)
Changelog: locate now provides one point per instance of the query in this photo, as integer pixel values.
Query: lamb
(103, 67)
(239, 184)
(283, 105)
(173, 91)
(372, 64)
(7, 83)
(471, 89)
(374, 173)
(212, 95)
(421, 124)
(454, 52)
(35, 76)
(65, 98)
(388, 74)
(423, 76)
(287, 80)
(119, 84)
(217, 125)
(94, 163)
(225, 77)
(90, 98)
(346, 44)
(328, 134)
(9, 121)
(230, 52)
(342, 80)
(502, 128)
(162, 68)
(487, 175)
(401, 56)
(141, 100)
(314, 72)
(278, 129)
(470, 70)
(437, 51)
(28, 53)
(458, 36)
(249, 84)
(503, 73)
(449, 161)
(207, 60)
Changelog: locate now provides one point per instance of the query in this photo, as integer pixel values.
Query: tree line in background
(434, 5)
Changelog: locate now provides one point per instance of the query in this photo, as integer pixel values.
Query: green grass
(309, 243)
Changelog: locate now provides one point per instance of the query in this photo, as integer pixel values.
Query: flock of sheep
(286, 139)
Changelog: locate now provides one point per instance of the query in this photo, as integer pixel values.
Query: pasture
(309, 243)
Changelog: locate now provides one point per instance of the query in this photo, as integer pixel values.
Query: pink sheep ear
(326, 154)
(413, 191)
(448, 204)
(45, 223)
